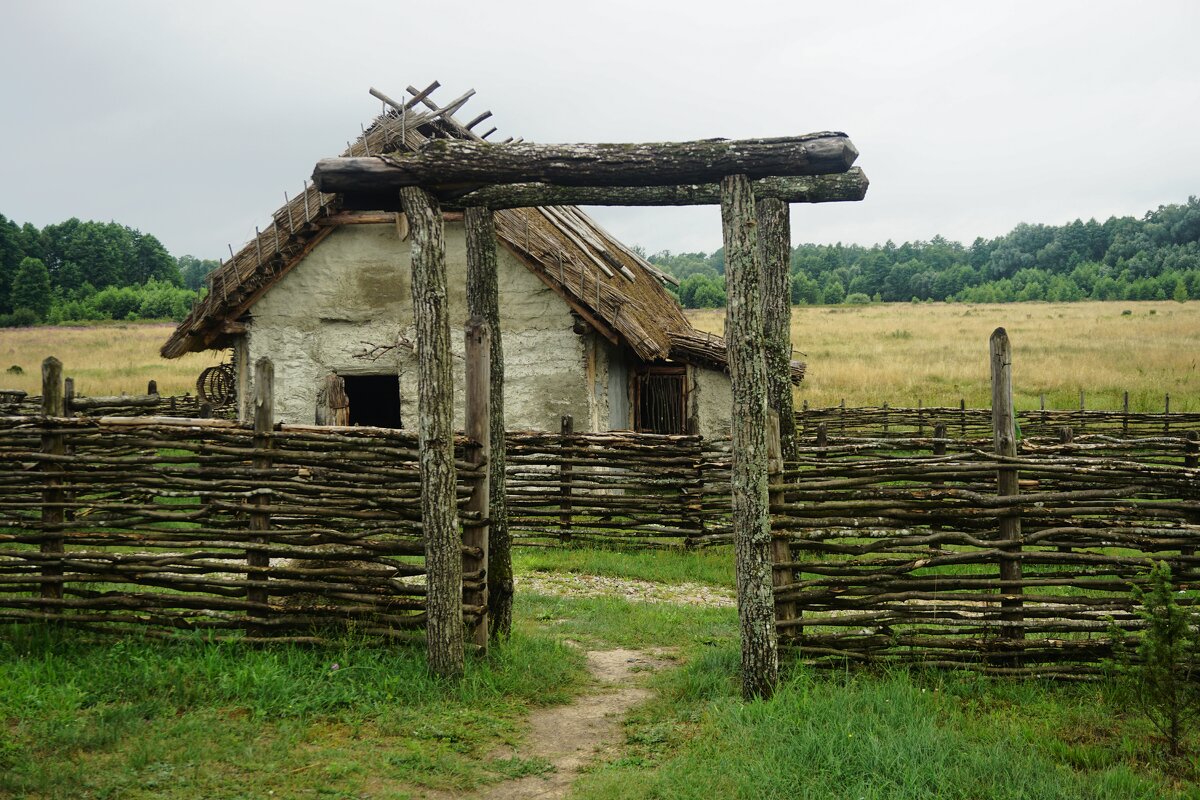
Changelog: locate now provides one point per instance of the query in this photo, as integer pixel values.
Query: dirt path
(571, 736)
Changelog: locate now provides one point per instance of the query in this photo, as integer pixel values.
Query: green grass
(712, 566)
(85, 717)
(897, 735)
(136, 718)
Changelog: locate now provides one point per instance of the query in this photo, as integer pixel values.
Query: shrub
(858, 299)
(21, 318)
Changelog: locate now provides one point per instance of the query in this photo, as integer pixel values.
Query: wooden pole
(478, 430)
(260, 519)
(781, 551)
(748, 477)
(567, 427)
(483, 300)
(1004, 438)
(435, 387)
(53, 495)
(775, 251)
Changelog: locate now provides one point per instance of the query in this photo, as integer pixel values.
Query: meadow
(104, 359)
(937, 353)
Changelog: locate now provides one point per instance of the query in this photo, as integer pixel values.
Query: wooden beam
(848, 186)
(449, 164)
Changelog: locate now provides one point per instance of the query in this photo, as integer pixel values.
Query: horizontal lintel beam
(448, 165)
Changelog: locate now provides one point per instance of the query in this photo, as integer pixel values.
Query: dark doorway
(374, 400)
(660, 400)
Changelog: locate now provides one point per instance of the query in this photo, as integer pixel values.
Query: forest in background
(1156, 257)
(77, 271)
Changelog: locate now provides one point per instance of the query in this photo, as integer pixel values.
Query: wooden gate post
(1004, 436)
(748, 478)
(53, 495)
(483, 300)
(435, 387)
(775, 250)
(564, 479)
(260, 518)
(478, 429)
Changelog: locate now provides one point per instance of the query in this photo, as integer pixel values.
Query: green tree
(31, 288)
(11, 254)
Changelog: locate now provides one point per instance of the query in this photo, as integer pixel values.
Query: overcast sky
(190, 120)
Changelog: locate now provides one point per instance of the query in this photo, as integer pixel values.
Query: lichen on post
(439, 513)
(747, 371)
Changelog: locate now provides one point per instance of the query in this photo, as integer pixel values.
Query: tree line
(1156, 257)
(77, 271)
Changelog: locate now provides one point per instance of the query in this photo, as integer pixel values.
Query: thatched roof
(606, 283)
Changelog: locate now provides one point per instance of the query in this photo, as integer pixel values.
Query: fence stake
(781, 550)
(53, 495)
(260, 518)
(1167, 414)
(939, 449)
(1125, 416)
(920, 420)
(479, 431)
(1065, 437)
(962, 417)
(1191, 460)
(1005, 440)
(567, 427)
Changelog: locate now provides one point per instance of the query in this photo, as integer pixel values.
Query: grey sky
(189, 120)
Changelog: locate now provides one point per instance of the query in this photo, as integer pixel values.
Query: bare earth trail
(570, 737)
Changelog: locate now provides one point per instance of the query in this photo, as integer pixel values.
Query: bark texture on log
(845, 187)
(747, 372)
(443, 558)
(476, 522)
(446, 164)
(53, 405)
(775, 250)
(1004, 432)
(483, 300)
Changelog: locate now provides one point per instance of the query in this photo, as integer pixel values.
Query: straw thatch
(606, 283)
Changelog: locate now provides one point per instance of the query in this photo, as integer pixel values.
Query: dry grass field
(937, 353)
(104, 360)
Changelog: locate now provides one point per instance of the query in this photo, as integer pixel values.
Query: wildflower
(334, 667)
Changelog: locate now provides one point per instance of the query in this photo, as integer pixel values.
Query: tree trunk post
(567, 427)
(781, 550)
(257, 561)
(775, 250)
(53, 496)
(435, 387)
(478, 430)
(1004, 438)
(751, 520)
(483, 300)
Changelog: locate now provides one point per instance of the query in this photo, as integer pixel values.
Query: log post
(1191, 460)
(257, 561)
(748, 478)
(962, 417)
(1004, 438)
(435, 387)
(1066, 435)
(781, 551)
(567, 427)
(478, 430)
(53, 496)
(1166, 415)
(483, 300)
(775, 251)
(939, 449)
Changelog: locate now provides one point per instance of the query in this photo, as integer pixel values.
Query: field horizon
(936, 354)
(902, 354)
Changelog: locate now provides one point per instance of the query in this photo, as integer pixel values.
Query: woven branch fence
(186, 406)
(976, 423)
(169, 525)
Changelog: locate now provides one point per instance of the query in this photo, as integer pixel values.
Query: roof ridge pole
(435, 385)
(748, 476)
